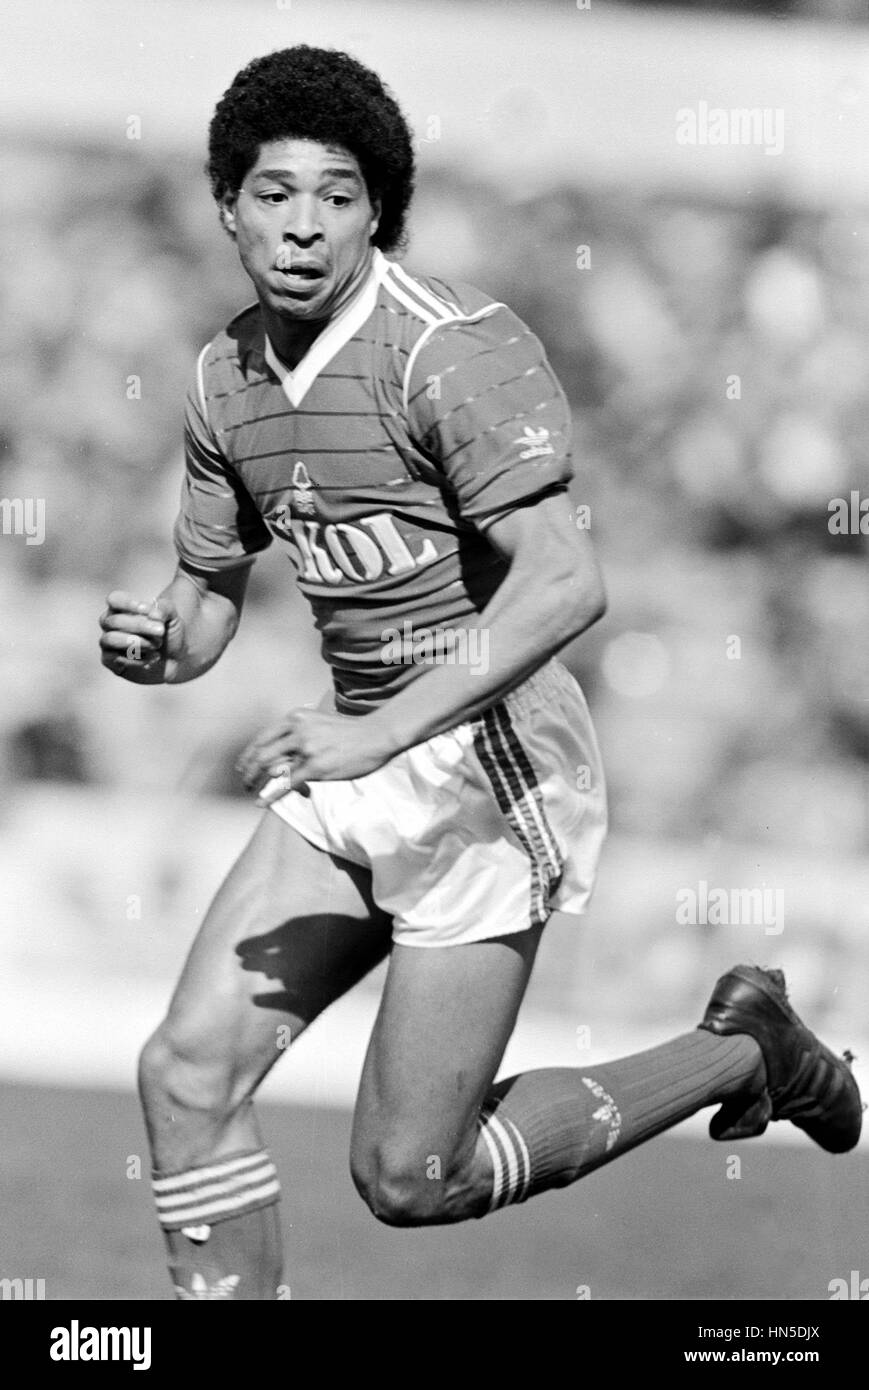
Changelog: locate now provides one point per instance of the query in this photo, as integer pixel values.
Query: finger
(273, 790)
(280, 750)
(277, 777)
(271, 756)
(255, 771)
(133, 623)
(162, 609)
(129, 644)
(121, 664)
(259, 757)
(120, 601)
(277, 787)
(273, 733)
(252, 771)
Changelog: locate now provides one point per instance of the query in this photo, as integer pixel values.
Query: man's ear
(227, 212)
(376, 210)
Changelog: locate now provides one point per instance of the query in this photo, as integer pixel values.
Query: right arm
(180, 634)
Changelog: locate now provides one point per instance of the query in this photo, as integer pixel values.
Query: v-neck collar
(326, 345)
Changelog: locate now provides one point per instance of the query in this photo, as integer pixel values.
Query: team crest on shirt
(537, 443)
(301, 494)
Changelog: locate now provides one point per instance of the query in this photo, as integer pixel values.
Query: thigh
(445, 1019)
(290, 930)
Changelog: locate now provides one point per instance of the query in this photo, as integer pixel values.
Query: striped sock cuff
(511, 1161)
(227, 1187)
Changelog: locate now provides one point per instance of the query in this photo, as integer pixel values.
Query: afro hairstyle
(319, 94)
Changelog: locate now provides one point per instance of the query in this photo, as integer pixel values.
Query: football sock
(222, 1227)
(547, 1128)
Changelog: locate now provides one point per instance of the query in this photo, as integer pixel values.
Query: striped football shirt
(420, 414)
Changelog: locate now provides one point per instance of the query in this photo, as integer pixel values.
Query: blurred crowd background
(715, 351)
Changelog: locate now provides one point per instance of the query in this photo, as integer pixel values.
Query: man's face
(303, 223)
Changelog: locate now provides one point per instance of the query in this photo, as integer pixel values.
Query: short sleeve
(218, 526)
(484, 404)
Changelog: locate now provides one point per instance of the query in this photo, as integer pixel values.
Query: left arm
(552, 592)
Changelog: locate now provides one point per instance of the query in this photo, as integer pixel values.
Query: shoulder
(448, 323)
(228, 352)
(429, 297)
(428, 300)
(223, 366)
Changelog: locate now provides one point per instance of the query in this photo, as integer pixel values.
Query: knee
(399, 1189)
(179, 1072)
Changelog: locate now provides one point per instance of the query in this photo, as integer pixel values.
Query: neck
(291, 338)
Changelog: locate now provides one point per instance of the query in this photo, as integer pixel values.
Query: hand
(141, 641)
(309, 745)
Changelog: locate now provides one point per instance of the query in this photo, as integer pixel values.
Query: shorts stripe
(528, 793)
(520, 800)
(504, 786)
(534, 796)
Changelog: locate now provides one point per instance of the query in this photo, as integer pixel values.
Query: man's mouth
(304, 272)
(301, 279)
(299, 268)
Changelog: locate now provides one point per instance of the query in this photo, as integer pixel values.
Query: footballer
(405, 440)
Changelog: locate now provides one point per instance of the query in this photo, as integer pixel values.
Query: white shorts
(478, 832)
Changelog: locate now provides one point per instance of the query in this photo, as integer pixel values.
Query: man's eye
(272, 197)
(339, 200)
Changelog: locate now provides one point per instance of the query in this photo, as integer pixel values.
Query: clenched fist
(141, 642)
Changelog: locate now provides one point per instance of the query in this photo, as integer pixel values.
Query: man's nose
(303, 221)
